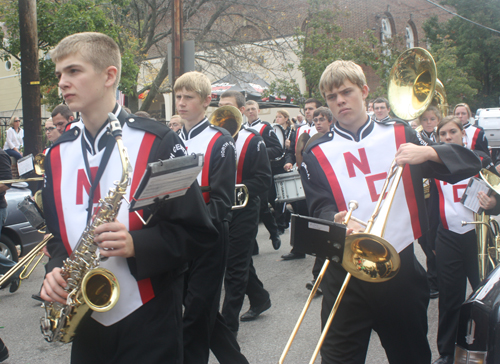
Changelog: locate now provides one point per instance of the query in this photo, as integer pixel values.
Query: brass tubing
(353, 205)
(330, 318)
(25, 259)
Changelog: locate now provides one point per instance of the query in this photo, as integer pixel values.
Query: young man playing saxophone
(145, 326)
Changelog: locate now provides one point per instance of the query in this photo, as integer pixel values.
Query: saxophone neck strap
(102, 166)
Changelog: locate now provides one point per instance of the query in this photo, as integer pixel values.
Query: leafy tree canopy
(467, 55)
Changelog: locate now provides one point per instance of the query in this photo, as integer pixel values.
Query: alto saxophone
(89, 287)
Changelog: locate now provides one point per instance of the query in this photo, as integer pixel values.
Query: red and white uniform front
(359, 175)
(451, 211)
(72, 208)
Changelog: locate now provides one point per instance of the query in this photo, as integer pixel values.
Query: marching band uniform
(205, 274)
(274, 153)
(254, 172)
(456, 256)
(144, 326)
(475, 138)
(341, 166)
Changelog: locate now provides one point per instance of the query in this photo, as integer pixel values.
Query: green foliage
(472, 52)
(56, 20)
(321, 43)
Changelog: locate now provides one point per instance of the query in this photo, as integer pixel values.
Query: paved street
(262, 341)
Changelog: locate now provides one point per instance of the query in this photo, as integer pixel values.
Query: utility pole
(177, 25)
(30, 77)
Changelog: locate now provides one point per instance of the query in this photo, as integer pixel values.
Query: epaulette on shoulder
(149, 125)
(266, 123)
(249, 129)
(68, 136)
(221, 129)
(318, 139)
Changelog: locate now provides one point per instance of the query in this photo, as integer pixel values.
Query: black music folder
(166, 179)
(321, 238)
(469, 198)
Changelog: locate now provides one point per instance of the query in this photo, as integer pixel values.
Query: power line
(461, 17)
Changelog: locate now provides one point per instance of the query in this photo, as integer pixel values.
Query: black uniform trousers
(456, 258)
(141, 337)
(203, 285)
(390, 308)
(224, 345)
(427, 243)
(242, 232)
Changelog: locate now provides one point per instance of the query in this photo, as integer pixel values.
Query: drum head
(301, 144)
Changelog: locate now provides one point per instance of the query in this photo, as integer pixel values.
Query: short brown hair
(63, 110)
(449, 119)
(196, 82)
(323, 111)
(337, 72)
(98, 49)
(238, 97)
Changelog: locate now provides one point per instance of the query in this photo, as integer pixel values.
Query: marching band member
(474, 136)
(205, 274)
(300, 207)
(149, 261)
(254, 171)
(274, 153)
(351, 162)
(429, 121)
(456, 245)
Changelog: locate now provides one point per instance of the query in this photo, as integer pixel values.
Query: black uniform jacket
(221, 169)
(178, 232)
(273, 146)
(256, 170)
(458, 164)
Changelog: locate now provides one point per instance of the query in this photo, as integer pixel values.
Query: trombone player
(351, 162)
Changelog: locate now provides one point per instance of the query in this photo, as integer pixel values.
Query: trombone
(367, 255)
(26, 262)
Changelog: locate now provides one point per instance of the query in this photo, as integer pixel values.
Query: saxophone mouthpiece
(114, 125)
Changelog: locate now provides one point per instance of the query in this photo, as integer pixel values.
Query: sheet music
(25, 165)
(166, 179)
(469, 198)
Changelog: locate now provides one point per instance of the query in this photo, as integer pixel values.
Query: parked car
(489, 120)
(478, 336)
(17, 230)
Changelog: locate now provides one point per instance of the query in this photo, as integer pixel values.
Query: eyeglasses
(319, 119)
(17, 120)
(49, 129)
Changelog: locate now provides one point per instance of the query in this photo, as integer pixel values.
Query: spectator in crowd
(14, 140)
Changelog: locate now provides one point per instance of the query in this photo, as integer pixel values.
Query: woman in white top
(14, 140)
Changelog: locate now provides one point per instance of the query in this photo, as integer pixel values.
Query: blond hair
(195, 82)
(463, 104)
(286, 115)
(98, 49)
(337, 72)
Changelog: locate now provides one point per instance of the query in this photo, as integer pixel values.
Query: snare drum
(289, 187)
(280, 133)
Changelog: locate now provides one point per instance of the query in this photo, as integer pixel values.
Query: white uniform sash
(357, 171)
(203, 143)
(71, 187)
(311, 130)
(244, 138)
(471, 135)
(451, 211)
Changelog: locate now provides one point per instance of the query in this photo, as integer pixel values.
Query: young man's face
(322, 124)
(252, 112)
(231, 101)
(190, 106)
(381, 110)
(347, 104)
(309, 111)
(60, 123)
(82, 87)
(51, 132)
